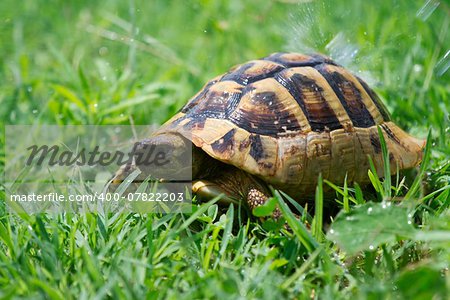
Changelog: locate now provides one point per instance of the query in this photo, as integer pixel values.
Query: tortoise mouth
(165, 157)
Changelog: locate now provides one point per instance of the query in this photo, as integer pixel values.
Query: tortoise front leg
(256, 197)
(234, 188)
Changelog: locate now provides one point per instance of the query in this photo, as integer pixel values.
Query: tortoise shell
(288, 117)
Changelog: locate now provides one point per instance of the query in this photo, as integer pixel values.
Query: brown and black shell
(288, 117)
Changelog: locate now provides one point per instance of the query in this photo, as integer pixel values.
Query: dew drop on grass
(369, 210)
(103, 51)
(371, 247)
(417, 68)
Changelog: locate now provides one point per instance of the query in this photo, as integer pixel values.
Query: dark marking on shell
(320, 116)
(243, 145)
(292, 150)
(349, 96)
(390, 134)
(266, 116)
(375, 141)
(265, 165)
(256, 147)
(376, 100)
(243, 77)
(196, 123)
(194, 101)
(238, 75)
(391, 157)
(224, 144)
(213, 104)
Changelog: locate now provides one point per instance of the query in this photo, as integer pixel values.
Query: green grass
(116, 62)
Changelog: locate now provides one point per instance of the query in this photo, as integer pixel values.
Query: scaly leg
(234, 185)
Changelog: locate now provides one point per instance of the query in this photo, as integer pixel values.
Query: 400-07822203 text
(103, 197)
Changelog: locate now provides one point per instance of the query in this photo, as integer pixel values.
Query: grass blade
(318, 213)
(297, 227)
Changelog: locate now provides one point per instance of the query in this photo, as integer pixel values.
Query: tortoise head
(166, 156)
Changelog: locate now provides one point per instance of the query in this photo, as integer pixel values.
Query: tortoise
(280, 121)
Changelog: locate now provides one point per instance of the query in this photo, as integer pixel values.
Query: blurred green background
(122, 62)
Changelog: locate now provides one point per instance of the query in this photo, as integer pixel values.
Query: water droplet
(384, 205)
(409, 222)
(35, 111)
(113, 36)
(331, 231)
(369, 210)
(417, 68)
(371, 247)
(103, 51)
